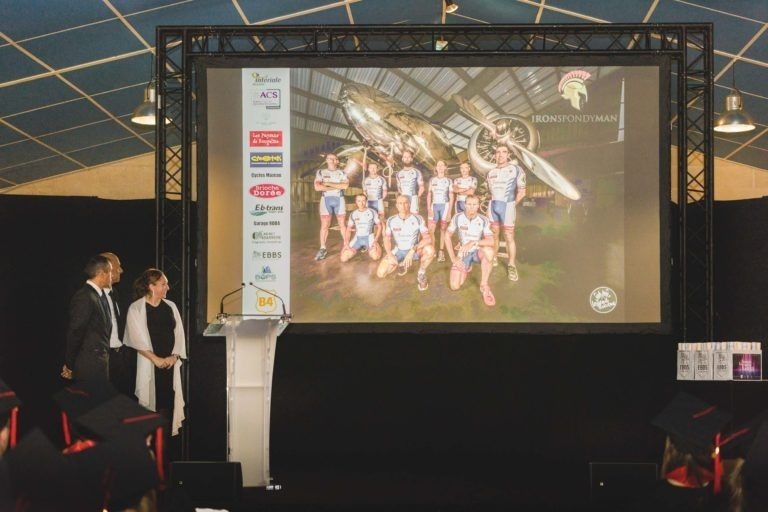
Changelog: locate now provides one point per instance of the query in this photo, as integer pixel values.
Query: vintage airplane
(386, 128)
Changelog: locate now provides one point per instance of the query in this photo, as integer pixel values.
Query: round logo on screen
(603, 299)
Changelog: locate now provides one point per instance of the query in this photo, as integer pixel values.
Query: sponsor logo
(573, 88)
(259, 79)
(266, 159)
(266, 274)
(267, 255)
(265, 237)
(603, 299)
(266, 303)
(266, 190)
(265, 138)
(267, 98)
(263, 209)
(266, 175)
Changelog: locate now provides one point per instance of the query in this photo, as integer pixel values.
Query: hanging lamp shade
(735, 119)
(145, 113)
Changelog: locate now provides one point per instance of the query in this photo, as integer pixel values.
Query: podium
(250, 353)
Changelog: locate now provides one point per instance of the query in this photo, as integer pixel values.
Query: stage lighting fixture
(735, 119)
(441, 44)
(451, 6)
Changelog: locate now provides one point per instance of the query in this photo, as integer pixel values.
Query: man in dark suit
(90, 325)
(122, 359)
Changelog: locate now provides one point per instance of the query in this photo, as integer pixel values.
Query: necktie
(114, 303)
(105, 305)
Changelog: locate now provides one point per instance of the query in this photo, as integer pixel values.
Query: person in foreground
(689, 479)
(745, 455)
(154, 329)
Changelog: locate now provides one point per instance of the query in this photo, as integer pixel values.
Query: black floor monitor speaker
(616, 482)
(207, 484)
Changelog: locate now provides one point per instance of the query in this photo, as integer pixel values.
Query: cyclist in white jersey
(403, 231)
(463, 186)
(375, 188)
(410, 183)
(439, 205)
(332, 183)
(506, 183)
(475, 246)
(367, 227)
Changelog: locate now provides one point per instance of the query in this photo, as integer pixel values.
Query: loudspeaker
(207, 484)
(617, 482)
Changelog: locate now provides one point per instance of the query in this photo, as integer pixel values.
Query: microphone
(221, 304)
(282, 302)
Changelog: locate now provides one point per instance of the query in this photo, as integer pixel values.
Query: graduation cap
(45, 479)
(77, 399)
(121, 417)
(87, 460)
(120, 470)
(738, 442)
(132, 471)
(691, 423)
(9, 404)
(694, 426)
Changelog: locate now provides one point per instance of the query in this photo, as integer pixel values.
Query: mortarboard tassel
(14, 421)
(65, 429)
(718, 465)
(159, 455)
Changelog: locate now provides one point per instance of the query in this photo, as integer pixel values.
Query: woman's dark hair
(148, 277)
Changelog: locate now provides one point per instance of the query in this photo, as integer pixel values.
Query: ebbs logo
(267, 255)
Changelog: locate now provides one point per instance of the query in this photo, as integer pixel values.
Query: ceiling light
(734, 119)
(145, 113)
(451, 6)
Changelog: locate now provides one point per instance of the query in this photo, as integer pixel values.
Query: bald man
(122, 359)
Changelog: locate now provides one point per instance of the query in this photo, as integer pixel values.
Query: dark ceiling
(72, 71)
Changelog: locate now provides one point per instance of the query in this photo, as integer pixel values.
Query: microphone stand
(221, 304)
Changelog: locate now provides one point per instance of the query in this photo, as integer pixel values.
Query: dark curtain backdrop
(525, 410)
(48, 241)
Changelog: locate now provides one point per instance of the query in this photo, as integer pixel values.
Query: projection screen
(583, 192)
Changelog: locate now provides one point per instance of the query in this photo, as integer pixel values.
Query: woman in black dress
(154, 329)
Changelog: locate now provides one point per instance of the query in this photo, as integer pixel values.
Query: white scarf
(137, 337)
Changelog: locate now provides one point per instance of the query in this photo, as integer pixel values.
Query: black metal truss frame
(688, 45)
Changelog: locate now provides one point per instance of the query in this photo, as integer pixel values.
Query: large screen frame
(662, 63)
(688, 45)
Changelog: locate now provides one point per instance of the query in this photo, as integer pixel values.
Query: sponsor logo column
(266, 189)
